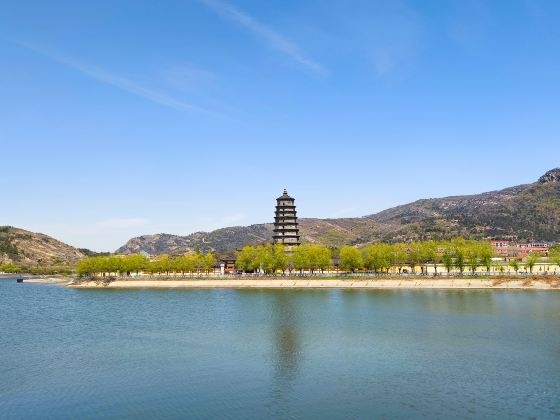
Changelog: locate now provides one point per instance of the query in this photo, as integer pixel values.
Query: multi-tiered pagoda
(286, 230)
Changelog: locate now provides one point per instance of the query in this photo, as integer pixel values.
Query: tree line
(272, 258)
(455, 255)
(36, 269)
(135, 263)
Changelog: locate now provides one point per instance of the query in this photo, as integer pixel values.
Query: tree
(499, 267)
(447, 257)
(377, 257)
(430, 253)
(320, 257)
(514, 263)
(85, 267)
(459, 248)
(472, 255)
(198, 261)
(350, 258)
(264, 259)
(531, 260)
(485, 254)
(161, 264)
(554, 254)
(189, 263)
(208, 262)
(300, 258)
(246, 258)
(279, 258)
(415, 255)
(399, 256)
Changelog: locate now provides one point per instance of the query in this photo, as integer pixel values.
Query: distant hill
(18, 246)
(525, 212)
(221, 240)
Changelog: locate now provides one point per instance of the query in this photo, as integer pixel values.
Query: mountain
(528, 212)
(221, 240)
(18, 246)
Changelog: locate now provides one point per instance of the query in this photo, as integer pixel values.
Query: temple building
(286, 229)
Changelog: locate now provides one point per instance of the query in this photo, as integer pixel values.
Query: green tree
(459, 251)
(280, 260)
(138, 263)
(264, 259)
(415, 255)
(350, 258)
(399, 256)
(472, 254)
(531, 260)
(430, 254)
(499, 267)
(85, 267)
(191, 263)
(514, 263)
(377, 257)
(198, 259)
(485, 254)
(208, 262)
(448, 256)
(246, 258)
(318, 257)
(300, 258)
(554, 255)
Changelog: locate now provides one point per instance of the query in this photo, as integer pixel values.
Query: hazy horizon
(125, 119)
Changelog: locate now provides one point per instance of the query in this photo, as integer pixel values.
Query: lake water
(277, 354)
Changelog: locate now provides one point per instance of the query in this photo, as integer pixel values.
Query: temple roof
(285, 196)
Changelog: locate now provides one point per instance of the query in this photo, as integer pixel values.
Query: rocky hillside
(524, 212)
(18, 246)
(221, 240)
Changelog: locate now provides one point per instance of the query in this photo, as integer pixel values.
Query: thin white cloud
(268, 35)
(119, 82)
(122, 223)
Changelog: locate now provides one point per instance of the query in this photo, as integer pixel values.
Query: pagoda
(286, 230)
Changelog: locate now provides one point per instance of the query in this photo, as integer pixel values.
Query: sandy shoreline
(411, 283)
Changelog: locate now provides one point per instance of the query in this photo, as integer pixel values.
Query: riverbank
(348, 283)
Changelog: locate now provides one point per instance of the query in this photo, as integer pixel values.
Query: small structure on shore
(286, 231)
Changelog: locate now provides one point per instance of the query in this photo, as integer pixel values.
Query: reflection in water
(286, 336)
(286, 350)
(459, 301)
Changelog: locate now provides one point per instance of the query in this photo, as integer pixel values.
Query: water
(282, 354)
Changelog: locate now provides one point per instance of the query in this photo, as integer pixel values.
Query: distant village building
(286, 229)
(510, 250)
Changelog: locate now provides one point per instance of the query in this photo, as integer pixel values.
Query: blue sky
(120, 118)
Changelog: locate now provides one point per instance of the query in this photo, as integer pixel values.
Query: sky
(121, 118)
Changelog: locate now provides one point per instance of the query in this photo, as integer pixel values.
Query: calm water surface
(281, 354)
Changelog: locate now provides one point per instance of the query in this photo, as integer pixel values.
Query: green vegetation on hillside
(6, 245)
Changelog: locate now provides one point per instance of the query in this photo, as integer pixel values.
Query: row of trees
(457, 254)
(36, 269)
(163, 264)
(273, 258)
